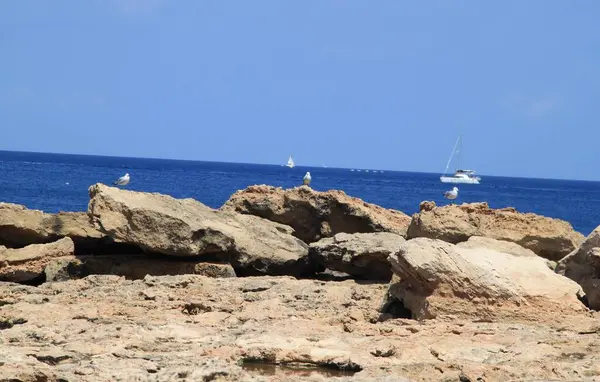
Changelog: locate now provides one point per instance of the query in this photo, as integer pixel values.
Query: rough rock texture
(497, 245)
(440, 279)
(360, 254)
(28, 263)
(20, 226)
(550, 238)
(193, 328)
(132, 267)
(315, 215)
(503, 246)
(583, 266)
(187, 228)
(427, 205)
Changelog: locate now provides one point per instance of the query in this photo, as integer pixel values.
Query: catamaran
(460, 176)
(290, 162)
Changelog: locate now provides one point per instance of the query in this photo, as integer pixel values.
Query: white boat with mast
(290, 162)
(460, 175)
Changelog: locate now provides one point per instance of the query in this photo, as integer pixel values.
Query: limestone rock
(360, 254)
(187, 228)
(439, 279)
(497, 245)
(427, 205)
(583, 266)
(28, 263)
(503, 246)
(314, 214)
(108, 328)
(547, 237)
(20, 226)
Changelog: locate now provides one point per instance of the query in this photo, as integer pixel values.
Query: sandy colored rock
(187, 228)
(441, 279)
(107, 328)
(427, 205)
(20, 226)
(583, 266)
(132, 267)
(547, 237)
(28, 263)
(315, 215)
(497, 245)
(503, 246)
(360, 254)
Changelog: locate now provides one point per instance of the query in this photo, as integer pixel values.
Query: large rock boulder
(362, 255)
(187, 228)
(497, 245)
(503, 246)
(315, 215)
(29, 263)
(583, 266)
(550, 238)
(20, 226)
(440, 279)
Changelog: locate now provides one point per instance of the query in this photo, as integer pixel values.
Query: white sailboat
(460, 175)
(290, 162)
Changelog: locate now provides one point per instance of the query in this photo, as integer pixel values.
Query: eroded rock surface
(547, 237)
(191, 328)
(362, 255)
(187, 228)
(441, 279)
(503, 246)
(20, 226)
(583, 266)
(29, 263)
(315, 215)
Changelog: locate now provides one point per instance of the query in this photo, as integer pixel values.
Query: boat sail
(290, 162)
(460, 175)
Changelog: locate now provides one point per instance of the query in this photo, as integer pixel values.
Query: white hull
(459, 180)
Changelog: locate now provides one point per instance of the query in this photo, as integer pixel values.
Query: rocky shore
(286, 285)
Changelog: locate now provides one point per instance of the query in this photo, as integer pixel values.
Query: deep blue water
(57, 182)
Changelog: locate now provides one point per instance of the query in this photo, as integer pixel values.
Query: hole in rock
(104, 246)
(255, 368)
(37, 281)
(584, 300)
(396, 309)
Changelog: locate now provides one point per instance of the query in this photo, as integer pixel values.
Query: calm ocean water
(56, 182)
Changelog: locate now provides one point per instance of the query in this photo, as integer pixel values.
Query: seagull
(122, 181)
(307, 179)
(452, 194)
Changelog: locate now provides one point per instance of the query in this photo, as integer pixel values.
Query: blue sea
(58, 182)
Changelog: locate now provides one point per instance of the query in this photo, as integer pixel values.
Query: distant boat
(290, 162)
(460, 176)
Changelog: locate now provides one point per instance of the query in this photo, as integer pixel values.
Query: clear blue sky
(360, 84)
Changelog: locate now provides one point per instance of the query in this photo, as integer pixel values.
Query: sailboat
(290, 162)
(460, 175)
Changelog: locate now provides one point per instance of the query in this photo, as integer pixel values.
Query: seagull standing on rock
(452, 194)
(122, 181)
(307, 179)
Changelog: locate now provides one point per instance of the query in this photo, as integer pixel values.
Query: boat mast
(459, 152)
(452, 155)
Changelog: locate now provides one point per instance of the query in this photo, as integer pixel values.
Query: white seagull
(307, 179)
(452, 194)
(122, 181)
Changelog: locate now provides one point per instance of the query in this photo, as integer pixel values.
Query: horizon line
(274, 164)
